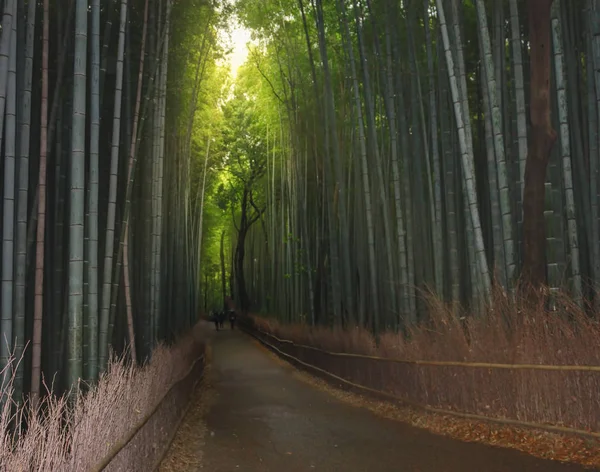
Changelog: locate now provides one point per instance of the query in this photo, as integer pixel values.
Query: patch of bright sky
(236, 39)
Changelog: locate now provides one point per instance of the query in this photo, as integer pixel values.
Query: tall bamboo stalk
(466, 158)
(8, 18)
(132, 159)
(8, 214)
(41, 220)
(92, 221)
(77, 198)
(104, 340)
(22, 196)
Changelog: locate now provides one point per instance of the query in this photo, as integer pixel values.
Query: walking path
(264, 418)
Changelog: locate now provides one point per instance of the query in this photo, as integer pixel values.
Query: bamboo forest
(364, 167)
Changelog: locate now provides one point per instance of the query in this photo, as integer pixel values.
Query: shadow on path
(265, 419)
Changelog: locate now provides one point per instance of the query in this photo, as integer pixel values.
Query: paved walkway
(266, 419)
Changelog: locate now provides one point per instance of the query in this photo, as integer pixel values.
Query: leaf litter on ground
(538, 443)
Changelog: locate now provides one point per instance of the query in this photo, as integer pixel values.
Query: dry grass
(512, 333)
(76, 437)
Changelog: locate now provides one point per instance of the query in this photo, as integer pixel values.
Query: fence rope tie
(472, 416)
(120, 445)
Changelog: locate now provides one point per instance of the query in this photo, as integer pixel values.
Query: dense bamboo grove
(101, 227)
(366, 152)
(421, 145)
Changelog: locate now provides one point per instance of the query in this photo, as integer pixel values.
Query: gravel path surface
(263, 418)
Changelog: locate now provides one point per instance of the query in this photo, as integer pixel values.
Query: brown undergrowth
(60, 437)
(510, 333)
(537, 443)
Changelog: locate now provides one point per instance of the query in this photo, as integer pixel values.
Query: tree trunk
(543, 137)
(201, 217)
(593, 86)
(240, 253)
(223, 275)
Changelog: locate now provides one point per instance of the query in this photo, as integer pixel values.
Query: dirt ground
(254, 414)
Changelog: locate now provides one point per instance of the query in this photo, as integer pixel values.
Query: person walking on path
(232, 317)
(215, 318)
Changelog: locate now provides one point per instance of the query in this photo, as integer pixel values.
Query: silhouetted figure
(232, 317)
(215, 318)
(221, 315)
